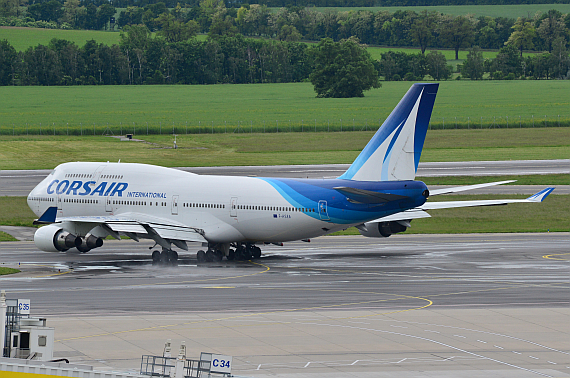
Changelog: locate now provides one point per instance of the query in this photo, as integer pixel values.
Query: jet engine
(53, 238)
(382, 229)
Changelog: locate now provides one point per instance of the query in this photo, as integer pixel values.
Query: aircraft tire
(210, 256)
(231, 255)
(218, 255)
(155, 257)
(164, 258)
(201, 256)
(173, 257)
(256, 252)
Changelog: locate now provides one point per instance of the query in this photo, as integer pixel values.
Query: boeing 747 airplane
(82, 203)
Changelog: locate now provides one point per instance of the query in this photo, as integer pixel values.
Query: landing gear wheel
(173, 257)
(210, 256)
(231, 255)
(155, 257)
(201, 256)
(256, 252)
(164, 257)
(218, 255)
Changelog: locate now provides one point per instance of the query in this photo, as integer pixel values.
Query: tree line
(141, 58)
(403, 28)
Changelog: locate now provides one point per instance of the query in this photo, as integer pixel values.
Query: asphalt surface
(409, 305)
(21, 182)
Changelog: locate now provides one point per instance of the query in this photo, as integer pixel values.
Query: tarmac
(470, 305)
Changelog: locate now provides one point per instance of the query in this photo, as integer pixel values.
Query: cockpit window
(52, 173)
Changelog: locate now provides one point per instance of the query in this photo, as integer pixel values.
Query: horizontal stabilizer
(367, 196)
(48, 216)
(538, 197)
(457, 189)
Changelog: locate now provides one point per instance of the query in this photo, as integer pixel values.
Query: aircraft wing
(538, 197)
(457, 189)
(403, 216)
(133, 225)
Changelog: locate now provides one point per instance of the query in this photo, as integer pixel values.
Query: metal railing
(158, 366)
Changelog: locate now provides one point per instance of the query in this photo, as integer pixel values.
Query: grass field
(552, 214)
(509, 11)
(4, 271)
(6, 237)
(22, 38)
(278, 148)
(15, 212)
(269, 106)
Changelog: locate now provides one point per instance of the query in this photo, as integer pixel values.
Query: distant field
(231, 149)
(22, 38)
(509, 11)
(271, 107)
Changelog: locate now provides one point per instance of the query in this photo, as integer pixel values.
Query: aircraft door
(108, 205)
(233, 207)
(174, 205)
(323, 212)
(59, 205)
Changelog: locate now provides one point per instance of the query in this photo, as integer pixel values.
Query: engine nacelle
(381, 229)
(89, 242)
(53, 238)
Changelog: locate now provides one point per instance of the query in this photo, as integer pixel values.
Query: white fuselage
(227, 208)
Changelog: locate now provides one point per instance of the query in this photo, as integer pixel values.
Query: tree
(457, 33)
(422, 29)
(342, 69)
(7, 62)
(176, 31)
(72, 12)
(521, 37)
(560, 59)
(551, 27)
(437, 66)
(289, 33)
(474, 65)
(507, 61)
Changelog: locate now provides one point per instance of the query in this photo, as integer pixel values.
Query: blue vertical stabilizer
(393, 154)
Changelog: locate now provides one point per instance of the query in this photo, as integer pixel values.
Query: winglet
(48, 216)
(540, 196)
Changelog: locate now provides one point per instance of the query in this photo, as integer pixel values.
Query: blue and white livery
(83, 203)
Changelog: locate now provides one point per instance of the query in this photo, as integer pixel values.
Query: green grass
(15, 212)
(552, 214)
(37, 152)
(22, 38)
(376, 51)
(44, 152)
(294, 105)
(521, 180)
(6, 237)
(4, 271)
(509, 11)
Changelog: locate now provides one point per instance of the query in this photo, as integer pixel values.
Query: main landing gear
(241, 252)
(167, 257)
